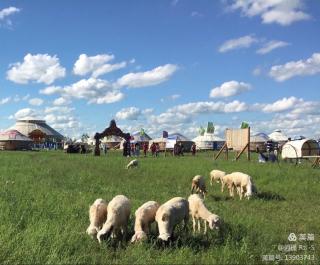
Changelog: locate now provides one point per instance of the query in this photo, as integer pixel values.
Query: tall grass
(45, 196)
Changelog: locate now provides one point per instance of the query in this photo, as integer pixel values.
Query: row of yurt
(140, 137)
(208, 141)
(14, 140)
(258, 141)
(167, 143)
(279, 137)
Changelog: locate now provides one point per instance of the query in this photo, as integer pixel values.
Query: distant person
(193, 149)
(153, 149)
(137, 149)
(145, 149)
(105, 149)
(181, 149)
(157, 149)
(125, 148)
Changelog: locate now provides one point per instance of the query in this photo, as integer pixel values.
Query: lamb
(216, 175)
(170, 214)
(118, 215)
(243, 183)
(199, 211)
(199, 185)
(98, 215)
(132, 163)
(145, 215)
(227, 180)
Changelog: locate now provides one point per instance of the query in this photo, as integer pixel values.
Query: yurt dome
(14, 140)
(259, 137)
(138, 137)
(208, 141)
(278, 136)
(300, 148)
(38, 131)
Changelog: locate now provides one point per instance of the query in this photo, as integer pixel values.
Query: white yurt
(258, 141)
(208, 141)
(112, 142)
(278, 136)
(300, 148)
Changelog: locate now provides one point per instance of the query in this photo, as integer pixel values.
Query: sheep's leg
(193, 224)
(222, 186)
(205, 227)
(199, 226)
(211, 182)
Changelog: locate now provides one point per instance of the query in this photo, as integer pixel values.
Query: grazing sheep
(145, 215)
(170, 214)
(133, 163)
(243, 183)
(227, 180)
(98, 215)
(199, 185)
(118, 215)
(216, 175)
(199, 211)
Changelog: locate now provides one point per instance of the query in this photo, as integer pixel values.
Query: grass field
(44, 200)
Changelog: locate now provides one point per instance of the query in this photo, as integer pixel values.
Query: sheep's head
(105, 233)
(139, 236)
(214, 221)
(164, 236)
(92, 231)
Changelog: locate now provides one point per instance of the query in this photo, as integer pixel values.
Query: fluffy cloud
(153, 77)
(26, 113)
(61, 101)
(51, 90)
(282, 105)
(131, 113)
(283, 12)
(271, 45)
(311, 66)
(58, 109)
(40, 68)
(229, 89)
(5, 100)
(240, 43)
(96, 65)
(36, 101)
(7, 12)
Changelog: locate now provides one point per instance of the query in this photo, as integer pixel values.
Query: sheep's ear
(165, 217)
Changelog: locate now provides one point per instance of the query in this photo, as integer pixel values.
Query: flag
(210, 127)
(244, 125)
(201, 131)
(165, 134)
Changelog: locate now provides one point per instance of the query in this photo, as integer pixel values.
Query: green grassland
(45, 196)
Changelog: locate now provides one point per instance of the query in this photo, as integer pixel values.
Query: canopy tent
(300, 148)
(161, 141)
(278, 136)
(140, 138)
(258, 141)
(14, 140)
(38, 131)
(112, 142)
(208, 141)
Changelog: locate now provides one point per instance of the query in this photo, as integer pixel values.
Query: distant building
(14, 140)
(39, 132)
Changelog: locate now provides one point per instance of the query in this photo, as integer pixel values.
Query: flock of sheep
(111, 219)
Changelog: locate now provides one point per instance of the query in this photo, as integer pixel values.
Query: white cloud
(257, 71)
(26, 113)
(36, 101)
(272, 45)
(108, 97)
(311, 66)
(96, 65)
(61, 101)
(58, 109)
(51, 90)
(282, 105)
(174, 2)
(131, 113)
(40, 68)
(196, 14)
(229, 89)
(283, 12)
(6, 13)
(153, 77)
(239, 43)
(5, 100)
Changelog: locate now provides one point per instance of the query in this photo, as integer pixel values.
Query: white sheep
(199, 211)
(118, 215)
(132, 163)
(198, 185)
(227, 180)
(243, 183)
(98, 215)
(145, 215)
(216, 175)
(170, 214)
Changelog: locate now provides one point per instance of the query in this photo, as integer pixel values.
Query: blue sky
(161, 65)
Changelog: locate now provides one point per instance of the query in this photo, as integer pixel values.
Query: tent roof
(259, 137)
(299, 148)
(278, 136)
(27, 126)
(137, 137)
(13, 135)
(178, 136)
(207, 137)
(112, 139)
